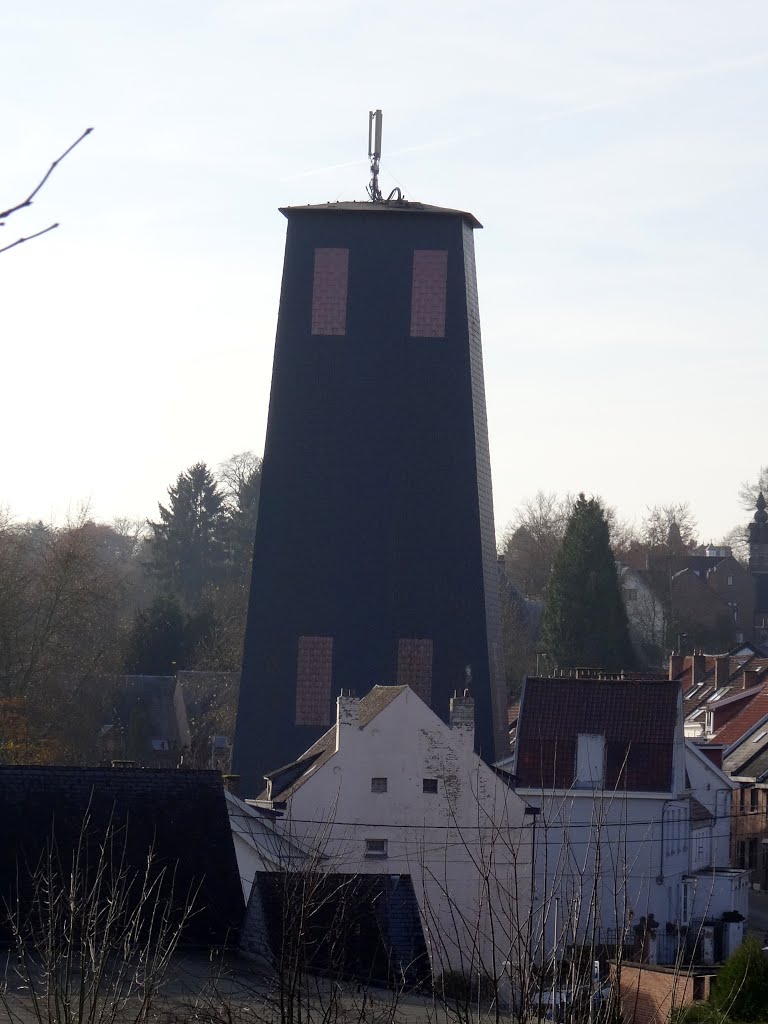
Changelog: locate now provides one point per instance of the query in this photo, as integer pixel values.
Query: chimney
(751, 677)
(347, 715)
(722, 670)
(676, 665)
(231, 784)
(462, 717)
(698, 668)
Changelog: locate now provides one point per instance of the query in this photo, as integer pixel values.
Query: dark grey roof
(180, 815)
(363, 928)
(750, 757)
(699, 813)
(394, 206)
(284, 781)
(374, 702)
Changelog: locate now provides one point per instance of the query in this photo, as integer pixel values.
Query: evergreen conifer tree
(188, 547)
(740, 991)
(585, 622)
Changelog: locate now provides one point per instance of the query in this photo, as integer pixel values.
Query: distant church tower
(758, 538)
(375, 557)
(758, 567)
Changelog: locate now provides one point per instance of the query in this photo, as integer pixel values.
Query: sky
(616, 153)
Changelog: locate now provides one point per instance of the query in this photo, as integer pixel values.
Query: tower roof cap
(388, 206)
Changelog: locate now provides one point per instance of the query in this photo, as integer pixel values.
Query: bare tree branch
(28, 238)
(48, 173)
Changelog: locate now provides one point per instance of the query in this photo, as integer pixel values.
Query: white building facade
(393, 789)
(633, 830)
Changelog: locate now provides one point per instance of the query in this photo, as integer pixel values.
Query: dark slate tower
(374, 559)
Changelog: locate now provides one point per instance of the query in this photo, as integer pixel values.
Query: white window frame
(687, 892)
(590, 761)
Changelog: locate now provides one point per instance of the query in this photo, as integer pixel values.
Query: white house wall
(465, 847)
(599, 856)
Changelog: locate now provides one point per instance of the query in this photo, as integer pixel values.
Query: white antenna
(374, 152)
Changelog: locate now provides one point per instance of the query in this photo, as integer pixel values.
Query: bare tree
(532, 539)
(25, 203)
(92, 939)
(63, 594)
(669, 529)
(749, 490)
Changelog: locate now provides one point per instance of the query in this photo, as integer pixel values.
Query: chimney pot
(676, 665)
(462, 717)
(751, 676)
(347, 715)
(698, 668)
(722, 670)
(231, 784)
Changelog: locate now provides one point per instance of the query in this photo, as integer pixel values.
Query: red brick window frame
(329, 291)
(314, 673)
(414, 666)
(428, 293)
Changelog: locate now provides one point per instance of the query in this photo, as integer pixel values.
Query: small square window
(375, 847)
(378, 785)
(429, 785)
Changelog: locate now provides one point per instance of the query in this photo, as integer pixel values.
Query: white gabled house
(392, 790)
(633, 830)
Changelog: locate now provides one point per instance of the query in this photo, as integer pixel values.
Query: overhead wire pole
(374, 153)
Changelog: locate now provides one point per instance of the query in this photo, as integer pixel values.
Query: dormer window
(590, 761)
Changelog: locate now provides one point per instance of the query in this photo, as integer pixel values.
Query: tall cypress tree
(585, 622)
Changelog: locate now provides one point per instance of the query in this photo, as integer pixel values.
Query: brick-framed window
(428, 293)
(414, 666)
(314, 672)
(329, 291)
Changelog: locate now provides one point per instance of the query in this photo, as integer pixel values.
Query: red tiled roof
(732, 705)
(513, 711)
(637, 718)
(733, 730)
(695, 697)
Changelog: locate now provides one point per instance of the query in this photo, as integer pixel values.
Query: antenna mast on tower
(374, 152)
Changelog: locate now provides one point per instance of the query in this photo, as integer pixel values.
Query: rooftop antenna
(374, 152)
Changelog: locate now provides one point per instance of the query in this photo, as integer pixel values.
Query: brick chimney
(698, 668)
(751, 677)
(722, 670)
(676, 665)
(462, 717)
(231, 784)
(347, 715)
